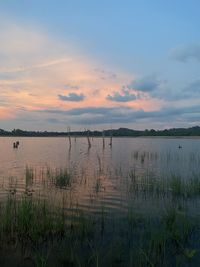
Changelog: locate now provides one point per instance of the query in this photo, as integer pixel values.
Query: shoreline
(100, 137)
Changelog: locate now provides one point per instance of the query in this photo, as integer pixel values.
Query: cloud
(6, 113)
(36, 66)
(102, 115)
(161, 89)
(72, 97)
(53, 120)
(72, 87)
(186, 53)
(15, 39)
(31, 75)
(189, 91)
(193, 87)
(125, 96)
(33, 67)
(98, 110)
(105, 74)
(87, 110)
(146, 84)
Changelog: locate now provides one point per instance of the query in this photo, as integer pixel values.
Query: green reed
(26, 219)
(174, 185)
(56, 237)
(29, 175)
(60, 177)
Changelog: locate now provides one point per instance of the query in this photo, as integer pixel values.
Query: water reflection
(99, 170)
(139, 193)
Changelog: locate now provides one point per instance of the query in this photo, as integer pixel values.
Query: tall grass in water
(29, 175)
(134, 238)
(99, 164)
(28, 220)
(98, 185)
(166, 240)
(187, 188)
(61, 177)
(174, 185)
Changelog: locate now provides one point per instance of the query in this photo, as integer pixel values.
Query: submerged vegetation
(174, 186)
(39, 233)
(29, 175)
(61, 177)
(65, 217)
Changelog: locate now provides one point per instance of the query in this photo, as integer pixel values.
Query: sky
(88, 64)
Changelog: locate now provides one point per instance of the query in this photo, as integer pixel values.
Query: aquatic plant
(153, 222)
(62, 178)
(29, 175)
(98, 185)
(29, 220)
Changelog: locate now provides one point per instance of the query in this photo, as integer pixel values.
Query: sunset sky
(99, 64)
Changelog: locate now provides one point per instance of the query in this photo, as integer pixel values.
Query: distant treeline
(192, 131)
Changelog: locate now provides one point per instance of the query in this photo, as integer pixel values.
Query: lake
(159, 156)
(132, 181)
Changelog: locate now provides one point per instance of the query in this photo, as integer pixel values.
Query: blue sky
(123, 58)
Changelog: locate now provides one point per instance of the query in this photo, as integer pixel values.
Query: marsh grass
(53, 236)
(59, 177)
(174, 185)
(62, 178)
(99, 164)
(143, 241)
(30, 220)
(29, 175)
(164, 240)
(98, 185)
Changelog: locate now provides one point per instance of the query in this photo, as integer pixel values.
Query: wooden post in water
(70, 143)
(103, 136)
(88, 139)
(110, 139)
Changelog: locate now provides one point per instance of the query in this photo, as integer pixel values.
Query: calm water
(140, 196)
(101, 174)
(55, 152)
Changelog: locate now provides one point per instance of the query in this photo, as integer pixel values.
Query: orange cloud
(38, 68)
(6, 113)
